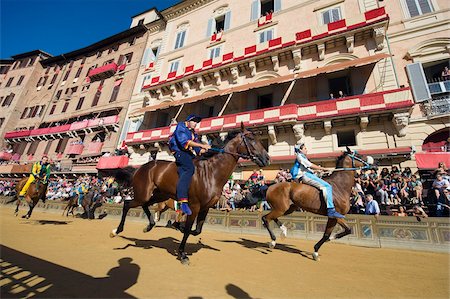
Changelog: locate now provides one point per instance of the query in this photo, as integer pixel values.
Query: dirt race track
(53, 256)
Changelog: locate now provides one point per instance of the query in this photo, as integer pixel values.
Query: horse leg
(326, 237)
(344, 225)
(31, 205)
(127, 205)
(274, 214)
(200, 221)
(182, 255)
(151, 222)
(16, 212)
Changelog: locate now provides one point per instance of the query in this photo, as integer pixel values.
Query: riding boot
(332, 213)
(185, 206)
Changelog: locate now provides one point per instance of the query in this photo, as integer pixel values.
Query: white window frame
(328, 10)
(172, 64)
(179, 43)
(265, 32)
(407, 13)
(214, 52)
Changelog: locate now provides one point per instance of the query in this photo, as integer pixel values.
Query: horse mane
(340, 159)
(217, 142)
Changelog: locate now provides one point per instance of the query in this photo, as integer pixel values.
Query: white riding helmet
(297, 147)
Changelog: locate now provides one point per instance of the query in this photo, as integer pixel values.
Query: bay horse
(86, 203)
(156, 182)
(287, 197)
(36, 191)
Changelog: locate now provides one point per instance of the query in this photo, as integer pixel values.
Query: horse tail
(14, 198)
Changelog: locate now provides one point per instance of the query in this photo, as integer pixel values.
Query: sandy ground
(53, 256)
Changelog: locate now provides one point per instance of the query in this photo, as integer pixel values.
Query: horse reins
(248, 156)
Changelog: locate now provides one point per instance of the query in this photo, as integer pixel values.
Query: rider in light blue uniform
(302, 170)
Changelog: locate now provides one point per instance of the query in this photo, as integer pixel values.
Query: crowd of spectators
(392, 192)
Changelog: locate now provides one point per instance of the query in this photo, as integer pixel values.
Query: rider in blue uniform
(302, 170)
(185, 145)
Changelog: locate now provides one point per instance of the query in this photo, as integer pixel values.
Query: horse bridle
(248, 156)
(354, 157)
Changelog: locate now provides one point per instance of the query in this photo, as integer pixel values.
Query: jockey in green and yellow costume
(40, 170)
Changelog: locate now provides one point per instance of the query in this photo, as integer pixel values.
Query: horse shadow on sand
(169, 244)
(46, 222)
(264, 247)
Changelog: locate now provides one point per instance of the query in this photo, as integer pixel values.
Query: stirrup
(185, 208)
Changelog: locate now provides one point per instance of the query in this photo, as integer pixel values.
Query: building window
(99, 54)
(8, 100)
(25, 111)
(47, 147)
(220, 23)
(54, 79)
(33, 147)
(61, 146)
(58, 94)
(20, 80)
(418, 7)
(52, 110)
(115, 92)
(66, 75)
(78, 72)
(2, 120)
(179, 42)
(265, 101)
(339, 87)
(96, 98)
(346, 138)
(128, 57)
(174, 65)
(66, 105)
(141, 22)
(10, 80)
(331, 15)
(80, 103)
(267, 6)
(266, 35)
(214, 52)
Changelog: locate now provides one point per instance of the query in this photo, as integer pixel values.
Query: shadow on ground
(264, 247)
(24, 276)
(170, 244)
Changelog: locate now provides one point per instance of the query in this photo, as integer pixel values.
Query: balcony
(75, 149)
(5, 156)
(103, 72)
(112, 162)
(437, 106)
(95, 147)
(76, 126)
(337, 108)
(439, 87)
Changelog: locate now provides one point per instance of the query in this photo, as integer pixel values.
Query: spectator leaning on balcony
(446, 74)
(302, 170)
(39, 170)
(185, 145)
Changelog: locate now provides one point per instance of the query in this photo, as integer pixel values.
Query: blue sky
(61, 26)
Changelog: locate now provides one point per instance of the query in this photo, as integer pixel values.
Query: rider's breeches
(327, 190)
(80, 199)
(186, 170)
(26, 186)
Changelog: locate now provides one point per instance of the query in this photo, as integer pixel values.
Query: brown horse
(87, 204)
(285, 198)
(156, 182)
(36, 191)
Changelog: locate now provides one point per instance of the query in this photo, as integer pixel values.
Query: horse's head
(351, 159)
(249, 147)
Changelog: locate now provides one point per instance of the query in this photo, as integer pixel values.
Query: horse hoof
(113, 233)
(183, 258)
(272, 244)
(148, 228)
(283, 232)
(315, 256)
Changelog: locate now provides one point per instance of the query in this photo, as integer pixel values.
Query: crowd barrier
(431, 234)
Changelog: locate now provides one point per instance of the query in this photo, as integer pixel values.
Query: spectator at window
(445, 74)
(331, 96)
(341, 94)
